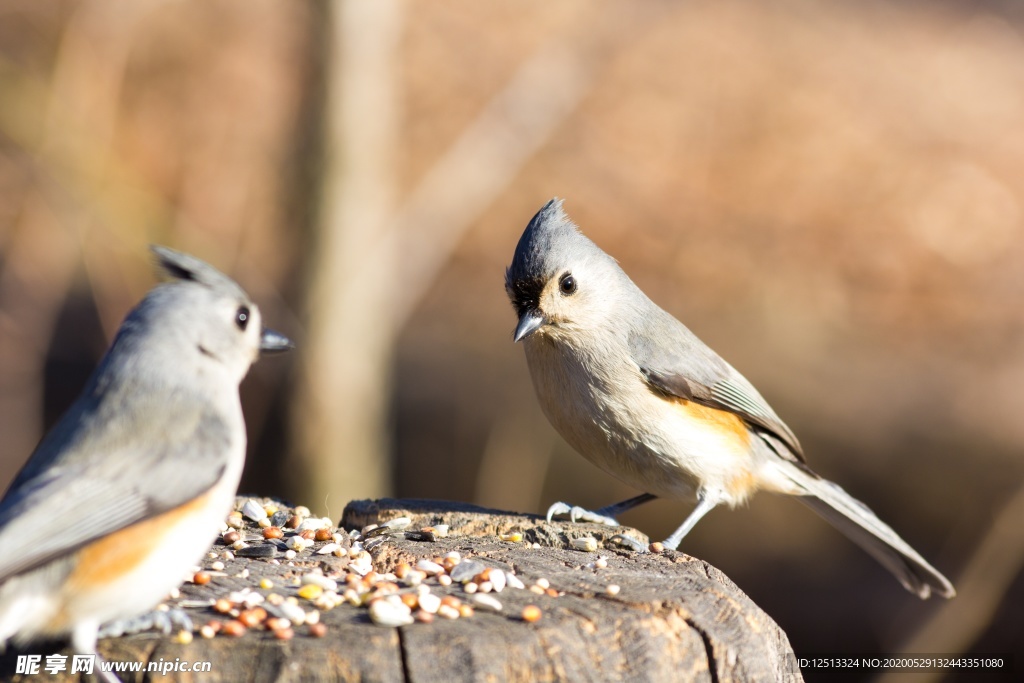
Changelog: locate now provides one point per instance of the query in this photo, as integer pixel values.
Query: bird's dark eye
(567, 284)
(242, 317)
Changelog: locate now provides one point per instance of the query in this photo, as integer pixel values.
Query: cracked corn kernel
(253, 617)
(311, 591)
(531, 613)
(233, 628)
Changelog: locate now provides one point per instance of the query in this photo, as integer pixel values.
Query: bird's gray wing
(100, 471)
(675, 362)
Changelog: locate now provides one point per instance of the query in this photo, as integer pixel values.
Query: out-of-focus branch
(342, 400)
(981, 587)
(71, 152)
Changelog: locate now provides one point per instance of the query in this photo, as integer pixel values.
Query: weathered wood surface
(675, 618)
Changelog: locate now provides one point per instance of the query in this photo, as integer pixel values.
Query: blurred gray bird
(637, 394)
(131, 486)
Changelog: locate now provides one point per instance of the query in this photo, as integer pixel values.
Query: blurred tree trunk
(343, 398)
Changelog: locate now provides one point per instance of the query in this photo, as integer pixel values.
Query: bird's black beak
(274, 342)
(530, 322)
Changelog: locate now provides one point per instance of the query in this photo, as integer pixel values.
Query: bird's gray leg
(705, 504)
(605, 515)
(165, 621)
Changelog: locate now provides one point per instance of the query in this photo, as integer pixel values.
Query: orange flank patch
(742, 485)
(723, 420)
(108, 558)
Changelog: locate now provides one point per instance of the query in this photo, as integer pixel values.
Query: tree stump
(671, 618)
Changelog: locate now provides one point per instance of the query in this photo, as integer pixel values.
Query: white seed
(298, 543)
(471, 588)
(327, 549)
(292, 612)
(600, 563)
(254, 510)
(302, 511)
(314, 524)
(454, 556)
(612, 589)
(429, 567)
(388, 613)
(429, 602)
(543, 583)
(586, 544)
(486, 601)
(414, 577)
(448, 612)
(362, 564)
(441, 530)
(397, 523)
(444, 580)
(217, 566)
(290, 554)
(263, 523)
(486, 586)
(513, 581)
(497, 579)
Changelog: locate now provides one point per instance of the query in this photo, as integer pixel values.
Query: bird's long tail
(864, 528)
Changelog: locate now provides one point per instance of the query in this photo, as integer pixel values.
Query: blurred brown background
(830, 194)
